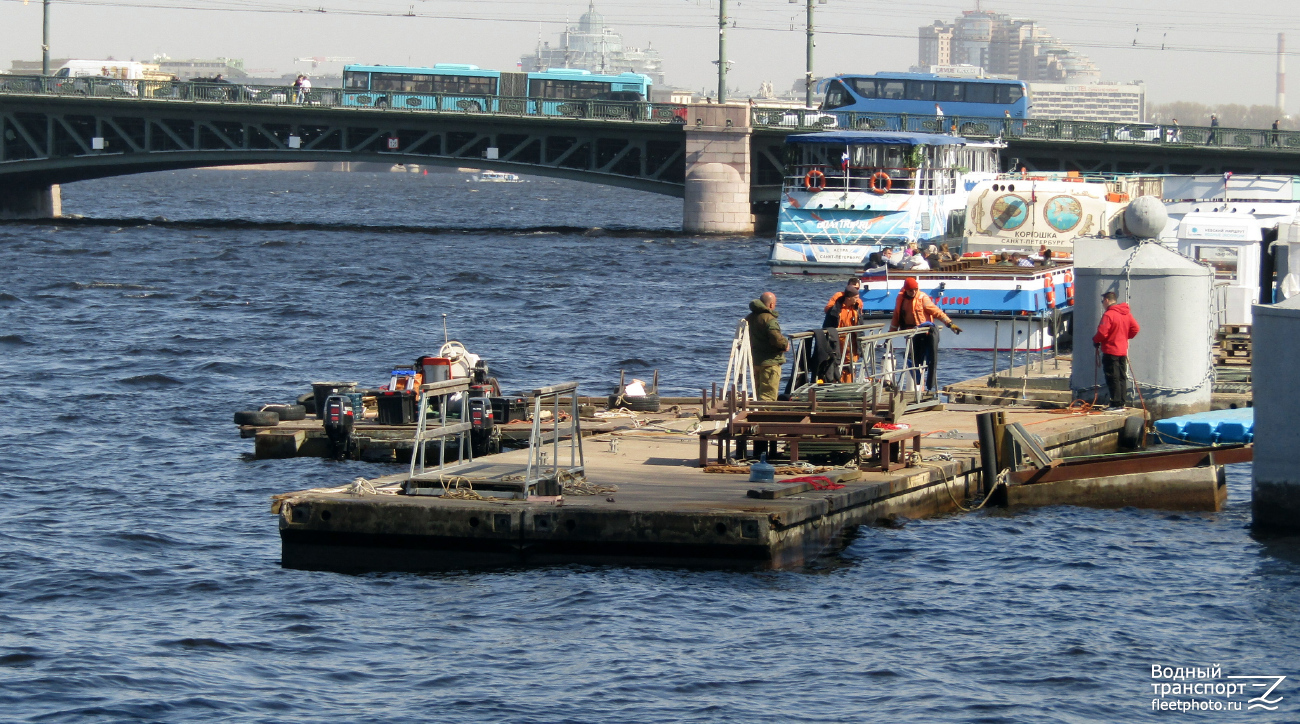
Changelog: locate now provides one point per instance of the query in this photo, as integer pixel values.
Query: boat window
(868, 156)
(865, 87)
(356, 81)
(837, 96)
(1222, 258)
(920, 90)
(891, 89)
(948, 92)
(980, 92)
(895, 156)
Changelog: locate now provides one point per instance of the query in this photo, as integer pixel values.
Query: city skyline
(1235, 64)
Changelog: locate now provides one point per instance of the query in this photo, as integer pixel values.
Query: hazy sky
(1216, 52)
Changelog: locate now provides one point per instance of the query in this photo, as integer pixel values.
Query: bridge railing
(1137, 134)
(261, 95)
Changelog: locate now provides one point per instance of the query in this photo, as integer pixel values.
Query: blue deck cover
(1209, 428)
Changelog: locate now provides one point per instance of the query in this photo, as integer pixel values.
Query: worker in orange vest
(845, 310)
(913, 309)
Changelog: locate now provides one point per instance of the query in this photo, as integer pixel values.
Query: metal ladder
(543, 478)
(442, 391)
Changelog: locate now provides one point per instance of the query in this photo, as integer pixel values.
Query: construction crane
(317, 60)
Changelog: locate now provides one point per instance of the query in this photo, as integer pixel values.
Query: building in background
(1003, 46)
(33, 67)
(1062, 82)
(229, 68)
(591, 45)
(1106, 102)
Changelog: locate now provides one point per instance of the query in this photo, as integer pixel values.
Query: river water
(139, 564)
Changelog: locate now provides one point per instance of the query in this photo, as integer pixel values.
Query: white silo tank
(1275, 347)
(1169, 295)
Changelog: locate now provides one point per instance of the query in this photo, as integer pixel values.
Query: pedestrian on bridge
(1214, 129)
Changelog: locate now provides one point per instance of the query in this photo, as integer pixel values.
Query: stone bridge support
(30, 202)
(717, 170)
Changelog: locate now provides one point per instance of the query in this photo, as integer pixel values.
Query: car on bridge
(1137, 132)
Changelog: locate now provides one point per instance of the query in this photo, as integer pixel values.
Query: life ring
(820, 180)
(1050, 289)
(1069, 288)
(884, 185)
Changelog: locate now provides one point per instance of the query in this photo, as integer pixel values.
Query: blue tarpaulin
(858, 138)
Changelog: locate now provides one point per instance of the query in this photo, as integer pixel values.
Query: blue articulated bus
(468, 88)
(924, 94)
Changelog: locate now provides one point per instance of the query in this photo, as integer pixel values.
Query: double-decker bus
(925, 94)
(469, 88)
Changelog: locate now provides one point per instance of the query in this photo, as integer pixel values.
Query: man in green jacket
(766, 345)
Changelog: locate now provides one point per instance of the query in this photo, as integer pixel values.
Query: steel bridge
(53, 131)
(60, 130)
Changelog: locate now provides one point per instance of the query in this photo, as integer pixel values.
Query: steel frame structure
(53, 139)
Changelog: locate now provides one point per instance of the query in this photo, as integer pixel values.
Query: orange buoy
(814, 180)
(884, 182)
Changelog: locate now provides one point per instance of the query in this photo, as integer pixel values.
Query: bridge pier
(31, 202)
(717, 170)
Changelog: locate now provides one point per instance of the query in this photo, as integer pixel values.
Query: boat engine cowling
(339, 421)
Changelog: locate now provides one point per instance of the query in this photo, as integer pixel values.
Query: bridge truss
(49, 139)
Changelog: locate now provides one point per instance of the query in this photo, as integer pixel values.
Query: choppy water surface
(139, 567)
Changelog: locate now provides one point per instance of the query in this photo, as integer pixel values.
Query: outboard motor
(484, 436)
(338, 425)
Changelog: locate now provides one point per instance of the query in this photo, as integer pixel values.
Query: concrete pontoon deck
(1048, 380)
(665, 510)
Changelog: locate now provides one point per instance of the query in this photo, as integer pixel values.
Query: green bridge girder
(50, 140)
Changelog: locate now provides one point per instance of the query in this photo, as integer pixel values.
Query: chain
(1209, 367)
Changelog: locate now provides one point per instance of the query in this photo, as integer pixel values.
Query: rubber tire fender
(289, 412)
(648, 403)
(308, 402)
(259, 418)
(1134, 434)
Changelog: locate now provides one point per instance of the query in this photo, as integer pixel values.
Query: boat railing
(904, 179)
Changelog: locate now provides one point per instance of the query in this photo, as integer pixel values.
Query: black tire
(259, 418)
(289, 412)
(308, 402)
(1134, 434)
(649, 403)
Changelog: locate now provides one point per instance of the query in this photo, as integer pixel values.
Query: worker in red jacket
(1116, 328)
(914, 308)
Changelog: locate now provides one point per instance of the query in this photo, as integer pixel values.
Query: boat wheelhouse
(849, 193)
(1023, 212)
